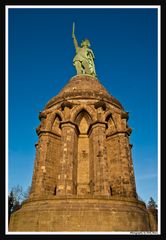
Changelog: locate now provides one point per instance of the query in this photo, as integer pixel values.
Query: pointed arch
(51, 119)
(56, 123)
(83, 120)
(91, 112)
(109, 117)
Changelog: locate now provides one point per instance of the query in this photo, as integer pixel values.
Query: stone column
(98, 136)
(132, 176)
(39, 176)
(66, 183)
(128, 182)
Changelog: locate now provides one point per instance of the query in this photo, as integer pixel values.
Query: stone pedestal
(83, 176)
(81, 215)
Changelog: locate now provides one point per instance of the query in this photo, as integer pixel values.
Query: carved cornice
(127, 131)
(66, 104)
(70, 123)
(124, 115)
(46, 132)
(42, 115)
(101, 104)
(94, 124)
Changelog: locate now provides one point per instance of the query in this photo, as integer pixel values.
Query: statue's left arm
(91, 52)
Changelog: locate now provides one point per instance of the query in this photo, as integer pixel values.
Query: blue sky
(41, 50)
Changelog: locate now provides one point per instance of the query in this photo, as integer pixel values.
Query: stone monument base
(80, 214)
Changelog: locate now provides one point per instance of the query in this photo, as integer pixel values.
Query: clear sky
(41, 50)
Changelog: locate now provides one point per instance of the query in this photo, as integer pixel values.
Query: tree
(152, 204)
(153, 214)
(10, 204)
(16, 198)
(26, 193)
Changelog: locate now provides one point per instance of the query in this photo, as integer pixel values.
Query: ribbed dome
(83, 86)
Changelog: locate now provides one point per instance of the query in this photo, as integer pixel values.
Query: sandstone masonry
(83, 177)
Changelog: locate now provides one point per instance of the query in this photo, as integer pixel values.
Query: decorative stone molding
(66, 104)
(125, 115)
(101, 104)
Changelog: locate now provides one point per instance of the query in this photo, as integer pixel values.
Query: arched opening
(56, 124)
(83, 121)
(111, 124)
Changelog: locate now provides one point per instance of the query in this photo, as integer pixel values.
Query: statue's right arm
(74, 38)
(75, 42)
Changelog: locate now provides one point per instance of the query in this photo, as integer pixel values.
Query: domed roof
(83, 86)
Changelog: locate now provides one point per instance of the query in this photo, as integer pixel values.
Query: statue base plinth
(80, 215)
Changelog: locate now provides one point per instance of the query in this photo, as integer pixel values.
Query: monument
(83, 177)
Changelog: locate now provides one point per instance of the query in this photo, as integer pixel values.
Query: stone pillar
(91, 164)
(132, 176)
(128, 183)
(98, 136)
(115, 167)
(66, 183)
(39, 176)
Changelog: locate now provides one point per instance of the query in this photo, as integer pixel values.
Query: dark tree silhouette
(16, 198)
(152, 204)
(10, 204)
(152, 208)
